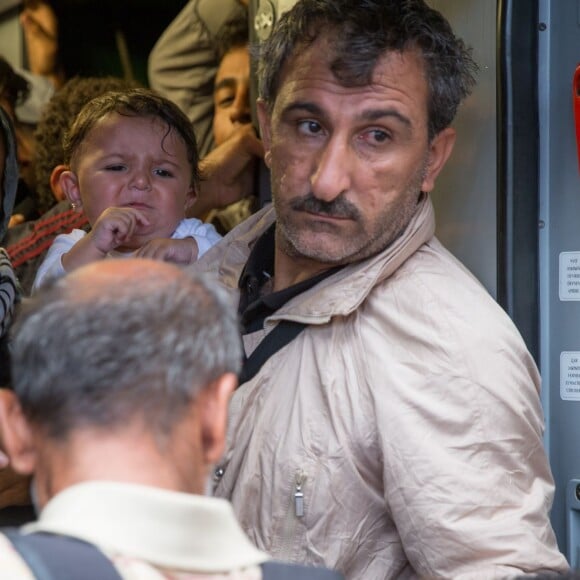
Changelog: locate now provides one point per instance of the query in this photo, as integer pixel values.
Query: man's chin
(325, 249)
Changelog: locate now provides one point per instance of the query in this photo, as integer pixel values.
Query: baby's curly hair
(55, 120)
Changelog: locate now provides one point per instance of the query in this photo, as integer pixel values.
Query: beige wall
(465, 195)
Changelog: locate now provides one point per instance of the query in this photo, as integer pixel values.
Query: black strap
(285, 331)
(55, 557)
(279, 571)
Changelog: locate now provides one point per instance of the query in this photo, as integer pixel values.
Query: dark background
(88, 30)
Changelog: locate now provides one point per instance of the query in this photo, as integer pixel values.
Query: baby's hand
(177, 251)
(115, 226)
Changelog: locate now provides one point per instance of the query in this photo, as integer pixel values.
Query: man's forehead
(322, 51)
(397, 78)
(232, 60)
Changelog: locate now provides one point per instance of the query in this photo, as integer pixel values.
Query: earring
(73, 205)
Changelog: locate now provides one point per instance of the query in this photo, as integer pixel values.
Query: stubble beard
(388, 226)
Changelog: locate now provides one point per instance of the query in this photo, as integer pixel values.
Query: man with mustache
(388, 422)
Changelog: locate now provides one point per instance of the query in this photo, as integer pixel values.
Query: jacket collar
(342, 292)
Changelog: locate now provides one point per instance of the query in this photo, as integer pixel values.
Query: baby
(133, 171)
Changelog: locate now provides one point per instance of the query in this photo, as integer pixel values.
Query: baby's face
(131, 161)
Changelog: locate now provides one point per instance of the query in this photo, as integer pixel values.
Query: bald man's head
(139, 277)
(120, 337)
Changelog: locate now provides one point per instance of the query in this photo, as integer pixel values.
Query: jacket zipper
(294, 512)
(299, 496)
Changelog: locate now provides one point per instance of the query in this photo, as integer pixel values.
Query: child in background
(28, 243)
(133, 171)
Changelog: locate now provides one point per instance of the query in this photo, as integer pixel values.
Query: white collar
(165, 528)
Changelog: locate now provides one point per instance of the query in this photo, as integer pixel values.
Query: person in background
(203, 42)
(40, 26)
(184, 61)
(28, 243)
(232, 114)
(388, 422)
(121, 453)
(12, 486)
(10, 291)
(15, 91)
(43, 75)
(231, 91)
(133, 172)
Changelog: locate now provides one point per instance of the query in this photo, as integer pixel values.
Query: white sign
(570, 376)
(569, 276)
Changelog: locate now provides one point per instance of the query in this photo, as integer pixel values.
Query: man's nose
(332, 172)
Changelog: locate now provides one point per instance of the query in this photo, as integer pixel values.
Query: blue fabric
(53, 557)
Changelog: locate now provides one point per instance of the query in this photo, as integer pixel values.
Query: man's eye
(309, 127)
(225, 100)
(378, 136)
(375, 137)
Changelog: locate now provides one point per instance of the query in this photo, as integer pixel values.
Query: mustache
(337, 208)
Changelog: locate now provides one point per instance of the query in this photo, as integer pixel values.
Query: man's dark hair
(363, 31)
(57, 116)
(233, 34)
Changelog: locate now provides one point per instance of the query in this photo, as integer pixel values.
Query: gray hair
(361, 33)
(143, 348)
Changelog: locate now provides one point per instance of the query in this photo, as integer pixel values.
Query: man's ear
(69, 184)
(264, 119)
(440, 149)
(55, 185)
(16, 435)
(213, 414)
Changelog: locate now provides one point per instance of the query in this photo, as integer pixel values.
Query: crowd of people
(352, 399)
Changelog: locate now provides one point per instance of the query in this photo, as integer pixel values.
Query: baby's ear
(190, 198)
(69, 184)
(55, 184)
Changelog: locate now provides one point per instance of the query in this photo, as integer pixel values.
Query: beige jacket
(407, 415)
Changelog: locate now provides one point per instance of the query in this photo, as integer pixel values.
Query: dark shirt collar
(255, 305)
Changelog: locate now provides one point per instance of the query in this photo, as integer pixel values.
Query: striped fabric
(28, 243)
(43, 232)
(9, 291)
